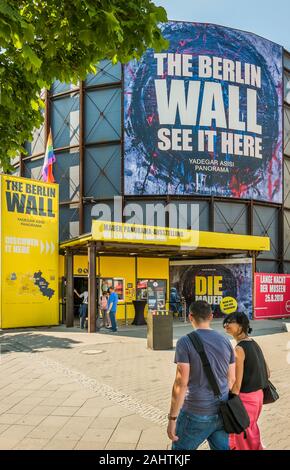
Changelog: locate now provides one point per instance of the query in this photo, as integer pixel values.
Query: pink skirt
(253, 403)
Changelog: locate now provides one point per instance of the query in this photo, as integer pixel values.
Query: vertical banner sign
(225, 284)
(29, 252)
(272, 295)
(205, 116)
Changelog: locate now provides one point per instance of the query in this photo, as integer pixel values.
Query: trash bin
(159, 329)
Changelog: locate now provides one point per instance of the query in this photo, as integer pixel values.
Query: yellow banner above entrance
(144, 234)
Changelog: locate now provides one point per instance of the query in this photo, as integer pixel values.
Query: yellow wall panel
(61, 260)
(153, 268)
(29, 258)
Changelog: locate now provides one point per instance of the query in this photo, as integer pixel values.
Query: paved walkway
(65, 389)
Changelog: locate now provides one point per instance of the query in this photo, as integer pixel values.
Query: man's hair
(200, 310)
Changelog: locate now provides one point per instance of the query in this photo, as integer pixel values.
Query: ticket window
(115, 282)
(154, 291)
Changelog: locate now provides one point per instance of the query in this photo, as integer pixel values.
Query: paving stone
(65, 411)
(86, 411)
(97, 434)
(31, 400)
(105, 423)
(7, 443)
(135, 422)
(125, 435)
(31, 420)
(4, 408)
(115, 411)
(44, 432)
(20, 408)
(120, 445)
(60, 444)
(17, 431)
(43, 410)
(3, 427)
(55, 421)
(74, 428)
(8, 418)
(154, 435)
(93, 445)
(31, 444)
(77, 399)
(97, 402)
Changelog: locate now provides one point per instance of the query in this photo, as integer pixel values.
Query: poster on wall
(29, 252)
(205, 116)
(272, 295)
(225, 284)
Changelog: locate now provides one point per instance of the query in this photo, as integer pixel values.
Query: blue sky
(268, 18)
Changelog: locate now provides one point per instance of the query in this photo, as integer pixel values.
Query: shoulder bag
(234, 415)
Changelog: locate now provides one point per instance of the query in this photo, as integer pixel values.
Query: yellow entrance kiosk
(134, 252)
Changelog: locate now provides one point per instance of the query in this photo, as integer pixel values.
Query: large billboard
(29, 252)
(225, 284)
(205, 116)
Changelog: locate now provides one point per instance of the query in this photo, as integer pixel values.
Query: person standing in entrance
(83, 307)
(112, 310)
(194, 413)
(104, 308)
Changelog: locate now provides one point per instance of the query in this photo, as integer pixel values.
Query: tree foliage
(46, 40)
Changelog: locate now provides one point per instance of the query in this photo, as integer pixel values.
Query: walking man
(112, 310)
(194, 412)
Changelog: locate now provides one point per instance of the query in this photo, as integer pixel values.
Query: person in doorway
(175, 302)
(83, 307)
(112, 310)
(104, 309)
(252, 373)
(194, 413)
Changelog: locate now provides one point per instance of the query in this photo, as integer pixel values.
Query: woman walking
(251, 378)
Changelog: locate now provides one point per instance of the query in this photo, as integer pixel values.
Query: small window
(116, 282)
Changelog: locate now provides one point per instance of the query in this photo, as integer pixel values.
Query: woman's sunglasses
(228, 323)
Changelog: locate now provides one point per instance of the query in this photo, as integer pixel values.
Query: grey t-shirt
(200, 398)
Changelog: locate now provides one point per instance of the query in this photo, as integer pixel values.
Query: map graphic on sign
(43, 284)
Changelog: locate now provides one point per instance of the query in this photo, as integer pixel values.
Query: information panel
(29, 252)
(272, 295)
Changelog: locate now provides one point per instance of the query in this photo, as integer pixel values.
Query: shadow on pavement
(260, 328)
(33, 342)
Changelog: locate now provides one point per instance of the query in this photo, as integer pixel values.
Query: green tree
(45, 40)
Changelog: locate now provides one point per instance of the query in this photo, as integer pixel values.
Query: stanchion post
(126, 320)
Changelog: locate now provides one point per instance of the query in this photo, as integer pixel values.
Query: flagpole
(47, 118)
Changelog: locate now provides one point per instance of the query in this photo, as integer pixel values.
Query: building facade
(89, 123)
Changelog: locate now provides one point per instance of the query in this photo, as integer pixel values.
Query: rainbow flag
(49, 160)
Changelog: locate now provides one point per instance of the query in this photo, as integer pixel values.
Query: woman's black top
(255, 372)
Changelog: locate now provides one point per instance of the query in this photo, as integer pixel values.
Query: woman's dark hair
(241, 319)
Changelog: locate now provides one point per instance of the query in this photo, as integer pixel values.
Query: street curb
(286, 327)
